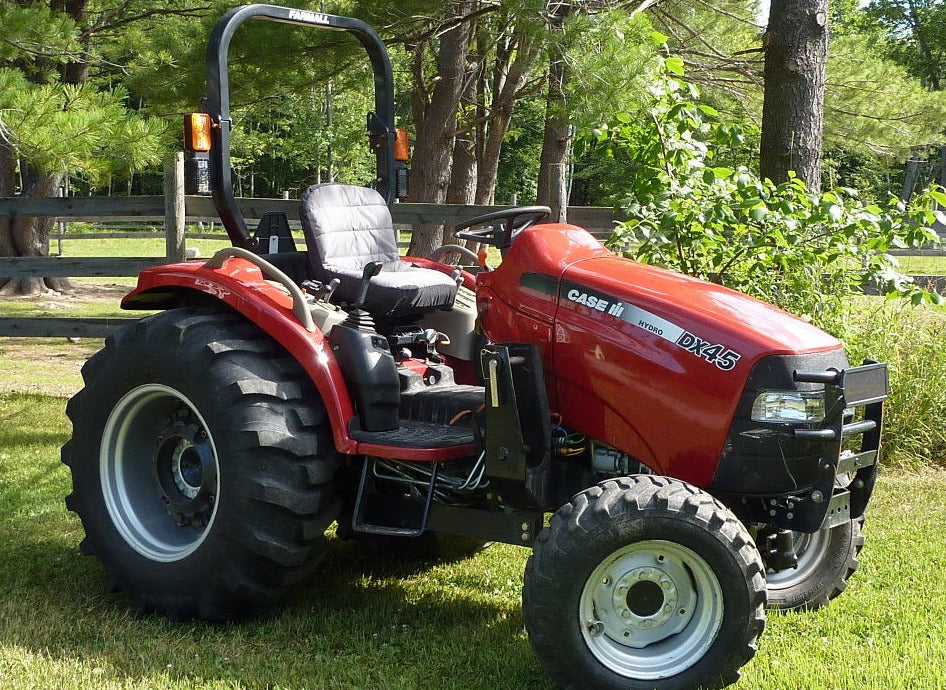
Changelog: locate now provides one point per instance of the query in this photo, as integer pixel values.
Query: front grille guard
(845, 478)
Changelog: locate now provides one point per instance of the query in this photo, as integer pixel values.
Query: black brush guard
(845, 479)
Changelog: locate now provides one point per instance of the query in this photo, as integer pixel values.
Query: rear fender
(241, 285)
(468, 280)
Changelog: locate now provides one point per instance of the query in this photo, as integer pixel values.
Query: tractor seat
(346, 227)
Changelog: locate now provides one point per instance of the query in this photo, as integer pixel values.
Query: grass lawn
(361, 623)
(923, 265)
(366, 624)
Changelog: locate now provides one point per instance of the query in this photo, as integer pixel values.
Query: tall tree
(916, 34)
(557, 137)
(57, 115)
(511, 77)
(577, 27)
(796, 52)
(435, 104)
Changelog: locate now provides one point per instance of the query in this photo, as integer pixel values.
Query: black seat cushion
(347, 227)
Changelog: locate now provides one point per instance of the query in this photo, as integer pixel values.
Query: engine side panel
(648, 361)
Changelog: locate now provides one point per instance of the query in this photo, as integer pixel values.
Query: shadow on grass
(358, 624)
(26, 437)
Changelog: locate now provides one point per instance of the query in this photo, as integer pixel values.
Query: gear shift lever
(372, 268)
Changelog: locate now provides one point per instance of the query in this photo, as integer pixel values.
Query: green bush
(807, 252)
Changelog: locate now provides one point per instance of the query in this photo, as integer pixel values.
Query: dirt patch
(50, 366)
(82, 291)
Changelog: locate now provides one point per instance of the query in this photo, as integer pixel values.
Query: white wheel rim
(810, 550)
(140, 445)
(651, 610)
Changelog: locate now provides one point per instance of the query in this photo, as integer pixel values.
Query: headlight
(789, 407)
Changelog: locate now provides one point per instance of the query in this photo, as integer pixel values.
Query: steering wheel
(506, 224)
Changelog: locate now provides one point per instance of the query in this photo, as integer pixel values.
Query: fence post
(174, 213)
(61, 224)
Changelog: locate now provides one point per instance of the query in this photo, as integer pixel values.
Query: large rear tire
(202, 466)
(826, 559)
(644, 582)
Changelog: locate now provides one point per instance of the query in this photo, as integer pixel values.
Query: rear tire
(644, 582)
(202, 466)
(826, 559)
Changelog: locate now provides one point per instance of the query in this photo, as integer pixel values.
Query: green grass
(910, 341)
(44, 365)
(923, 265)
(365, 624)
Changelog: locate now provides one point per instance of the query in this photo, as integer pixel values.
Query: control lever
(372, 268)
(320, 292)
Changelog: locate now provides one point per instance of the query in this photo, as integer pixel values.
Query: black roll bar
(381, 130)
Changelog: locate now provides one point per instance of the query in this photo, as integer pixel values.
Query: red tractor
(694, 447)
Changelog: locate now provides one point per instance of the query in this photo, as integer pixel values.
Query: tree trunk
(796, 48)
(435, 114)
(7, 189)
(27, 235)
(931, 76)
(508, 84)
(556, 141)
(462, 188)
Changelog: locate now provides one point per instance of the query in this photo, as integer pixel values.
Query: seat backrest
(346, 227)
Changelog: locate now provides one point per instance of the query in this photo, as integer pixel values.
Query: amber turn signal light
(402, 145)
(197, 132)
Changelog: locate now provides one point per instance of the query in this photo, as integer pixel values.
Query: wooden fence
(175, 210)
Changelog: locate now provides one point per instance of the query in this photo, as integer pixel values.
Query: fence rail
(174, 210)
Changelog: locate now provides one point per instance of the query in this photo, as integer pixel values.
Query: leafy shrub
(810, 253)
(807, 252)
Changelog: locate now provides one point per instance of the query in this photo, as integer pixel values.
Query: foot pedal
(398, 506)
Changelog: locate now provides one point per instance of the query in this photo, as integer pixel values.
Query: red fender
(469, 279)
(240, 284)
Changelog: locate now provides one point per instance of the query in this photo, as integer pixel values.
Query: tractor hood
(686, 311)
(648, 361)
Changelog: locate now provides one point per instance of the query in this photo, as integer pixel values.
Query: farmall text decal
(714, 353)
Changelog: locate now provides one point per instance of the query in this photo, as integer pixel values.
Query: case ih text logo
(714, 353)
(309, 17)
(613, 308)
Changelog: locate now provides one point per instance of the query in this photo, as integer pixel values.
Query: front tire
(644, 582)
(826, 559)
(202, 466)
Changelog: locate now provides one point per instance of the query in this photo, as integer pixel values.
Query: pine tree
(63, 112)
